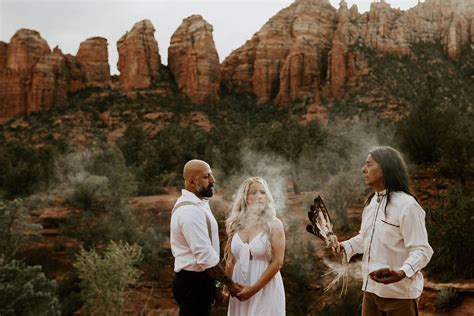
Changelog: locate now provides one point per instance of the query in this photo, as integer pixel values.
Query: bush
(422, 133)
(343, 190)
(94, 179)
(449, 231)
(25, 169)
(104, 278)
(458, 146)
(25, 290)
(14, 223)
(447, 299)
(349, 304)
(301, 269)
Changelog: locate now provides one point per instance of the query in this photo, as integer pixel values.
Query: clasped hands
(242, 293)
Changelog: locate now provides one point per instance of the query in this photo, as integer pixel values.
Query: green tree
(105, 277)
(15, 222)
(25, 290)
(422, 133)
(288, 139)
(449, 230)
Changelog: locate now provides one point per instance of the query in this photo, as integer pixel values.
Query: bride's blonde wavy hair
(239, 212)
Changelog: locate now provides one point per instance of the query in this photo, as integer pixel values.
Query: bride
(255, 251)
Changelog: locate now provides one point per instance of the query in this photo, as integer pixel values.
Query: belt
(194, 274)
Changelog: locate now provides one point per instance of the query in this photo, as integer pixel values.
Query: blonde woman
(255, 251)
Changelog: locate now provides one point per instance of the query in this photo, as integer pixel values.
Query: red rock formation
(262, 60)
(193, 60)
(49, 84)
(299, 75)
(139, 59)
(25, 49)
(94, 59)
(337, 56)
(3, 56)
(237, 70)
(76, 74)
(13, 95)
(259, 65)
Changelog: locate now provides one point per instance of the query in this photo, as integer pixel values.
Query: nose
(364, 170)
(212, 179)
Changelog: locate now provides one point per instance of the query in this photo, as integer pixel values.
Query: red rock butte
(306, 50)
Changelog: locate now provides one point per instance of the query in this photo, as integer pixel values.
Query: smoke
(332, 168)
(271, 167)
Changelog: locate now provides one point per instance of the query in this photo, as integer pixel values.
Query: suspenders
(185, 203)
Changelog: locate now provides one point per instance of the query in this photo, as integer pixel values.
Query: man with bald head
(194, 239)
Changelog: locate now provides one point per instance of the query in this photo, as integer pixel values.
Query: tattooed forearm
(218, 274)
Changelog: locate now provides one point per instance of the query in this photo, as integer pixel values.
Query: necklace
(380, 196)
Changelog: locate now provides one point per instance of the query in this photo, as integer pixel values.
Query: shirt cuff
(348, 249)
(408, 269)
(210, 263)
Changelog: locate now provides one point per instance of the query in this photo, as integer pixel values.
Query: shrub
(458, 146)
(14, 223)
(94, 179)
(301, 268)
(25, 290)
(24, 169)
(447, 299)
(449, 231)
(104, 278)
(421, 134)
(343, 190)
(349, 304)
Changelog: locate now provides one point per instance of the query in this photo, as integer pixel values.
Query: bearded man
(194, 238)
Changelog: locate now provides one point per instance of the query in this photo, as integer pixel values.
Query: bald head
(194, 167)
(198, 178)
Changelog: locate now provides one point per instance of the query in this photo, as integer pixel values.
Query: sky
(66, 23)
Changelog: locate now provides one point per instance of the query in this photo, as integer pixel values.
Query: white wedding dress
(249, 267)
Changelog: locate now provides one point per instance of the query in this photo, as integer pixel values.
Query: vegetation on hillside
(69, 152)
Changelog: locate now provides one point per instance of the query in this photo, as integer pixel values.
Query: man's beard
(206, 191)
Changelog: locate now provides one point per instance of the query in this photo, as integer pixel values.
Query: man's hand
(246, 293)
(387, 275)
(234, 288)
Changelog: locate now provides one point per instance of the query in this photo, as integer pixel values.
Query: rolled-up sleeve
(194, 227)
(413, 230)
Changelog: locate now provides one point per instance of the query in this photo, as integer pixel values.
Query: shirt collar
(381, 193)
(190, 196)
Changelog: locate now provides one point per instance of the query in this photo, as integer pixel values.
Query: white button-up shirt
(398, 240)
(189, 236)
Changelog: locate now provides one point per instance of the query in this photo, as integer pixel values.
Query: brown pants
(373, 305)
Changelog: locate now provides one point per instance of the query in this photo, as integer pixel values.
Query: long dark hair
(394, 172)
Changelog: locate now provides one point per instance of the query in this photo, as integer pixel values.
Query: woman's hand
(246, 293)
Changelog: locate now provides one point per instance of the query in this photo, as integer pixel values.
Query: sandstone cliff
(23, 52)
(263, 65)
(139, 58)
(49, 82)
(193, 60)
(93, 56)
(296, 38)
(306, 50)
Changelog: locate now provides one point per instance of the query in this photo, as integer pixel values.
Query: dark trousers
(373, 305)
(194, 292)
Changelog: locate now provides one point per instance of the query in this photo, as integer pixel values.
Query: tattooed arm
(218, 273)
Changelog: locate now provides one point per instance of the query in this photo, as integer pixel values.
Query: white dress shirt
(398, 241)
(189, 236)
